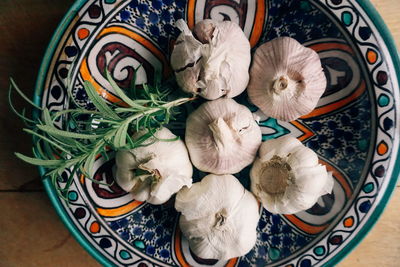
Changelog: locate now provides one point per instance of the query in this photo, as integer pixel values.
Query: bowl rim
(56, 202)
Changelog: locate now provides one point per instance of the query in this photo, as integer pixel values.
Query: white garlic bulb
(287, 178)
(215, 66)
(286, 79)
(155, 171)
(219, 217)
(222, 136)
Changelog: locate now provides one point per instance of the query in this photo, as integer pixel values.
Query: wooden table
(31, 234)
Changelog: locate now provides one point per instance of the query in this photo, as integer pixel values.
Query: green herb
(90, 133)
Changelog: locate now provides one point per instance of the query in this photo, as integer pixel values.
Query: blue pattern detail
(339, 144)
(273, 232)
(125, 15)
(156, 18)
(153, 225)
(303, 17)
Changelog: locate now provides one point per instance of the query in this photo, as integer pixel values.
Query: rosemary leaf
(132, 91)
(70, 179)
(47, 117)
(39, 153)
(88, 165)
(121, 93)
(44, 138)
(120, 136)
(74, 112)
(14, 85)
(20, 115)
(38, 162)
(99, 102)
(54, 131)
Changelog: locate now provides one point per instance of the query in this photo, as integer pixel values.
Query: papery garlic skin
(156, 171)
(219, 217)
(286, 79)
(286, 176)
(186, 58)
(222, 137)
(215, 66)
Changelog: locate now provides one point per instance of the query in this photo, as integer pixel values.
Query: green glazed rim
(51, 192)
(55, 200)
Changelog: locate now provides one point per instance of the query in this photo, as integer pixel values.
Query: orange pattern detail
(372, 56)
(83, 33)
(178, 249)
(190, 12)
(348, 222)
(311, 229)
(306, 132)
(112, 212)
(95, 227)
(331, 46)
(258, 23)
(231, 262)
(382, 148)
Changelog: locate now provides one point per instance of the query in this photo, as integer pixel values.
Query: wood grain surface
(31, 234)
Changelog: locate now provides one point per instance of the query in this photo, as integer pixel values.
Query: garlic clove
(297, 201)
(161, 191)
(302, 157)
(286, 79)
(151, 172)
(187, 49)
(222, 137)
(287, 178)
(204, 30)
(187, 79)
(221, 133)
(327, 189)
(125, 178)
(185, 59)
(141, 191)
(311, 179)
(282, 146)
(219, 217)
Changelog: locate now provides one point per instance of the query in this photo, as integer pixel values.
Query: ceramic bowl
(354, 129)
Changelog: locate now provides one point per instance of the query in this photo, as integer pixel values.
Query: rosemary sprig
(90, 133)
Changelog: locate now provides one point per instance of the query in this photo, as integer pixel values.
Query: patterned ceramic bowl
(353, 129)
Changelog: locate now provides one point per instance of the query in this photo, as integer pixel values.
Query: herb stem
(168, 105)
(74, 138)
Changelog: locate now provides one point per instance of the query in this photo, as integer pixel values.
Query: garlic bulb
(219, 217)
(287, 178)
(286, 79)
(222, 137)
(215, 66)
(155, 171)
